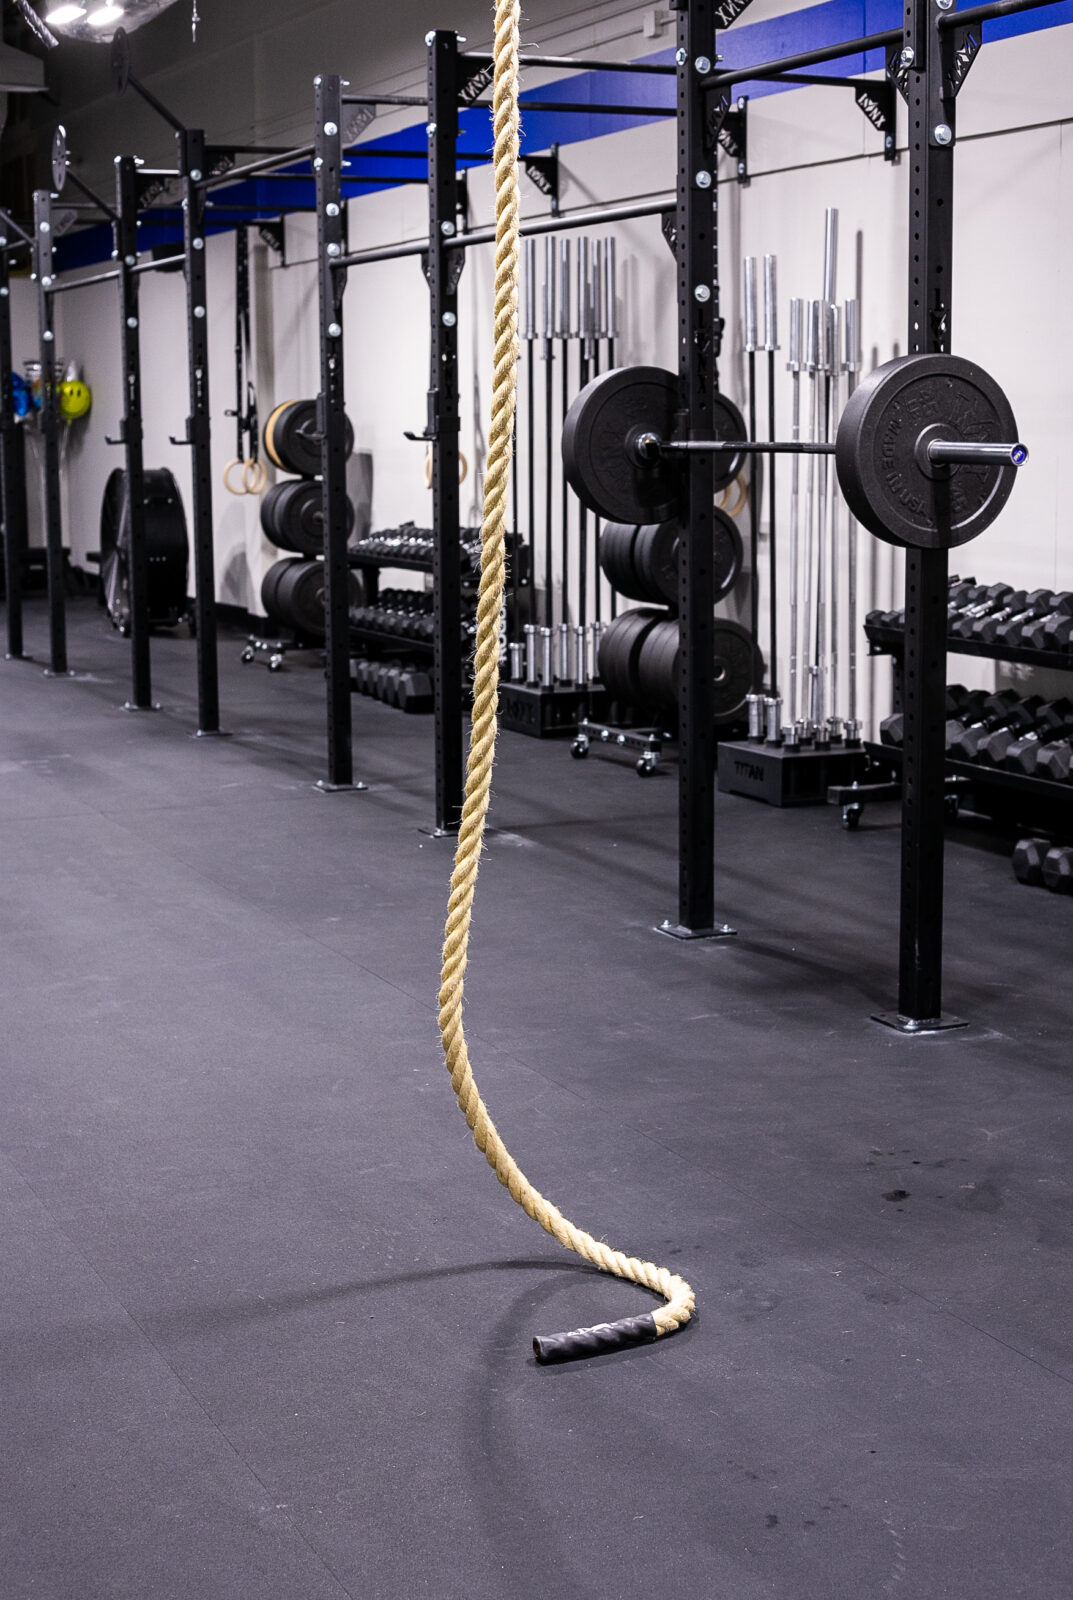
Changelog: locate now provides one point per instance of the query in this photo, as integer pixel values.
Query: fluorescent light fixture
(59, 15)
(104, 16)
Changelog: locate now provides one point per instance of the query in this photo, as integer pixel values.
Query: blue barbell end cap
(1019, 455)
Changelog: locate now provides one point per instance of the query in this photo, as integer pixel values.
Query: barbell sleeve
(966, 453)
(771, 313)
(529, 328)
(797, 317)
(750, 304)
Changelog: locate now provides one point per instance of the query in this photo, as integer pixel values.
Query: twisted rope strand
(677, 1293)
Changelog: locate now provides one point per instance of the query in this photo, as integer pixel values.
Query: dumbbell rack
(1008, 797)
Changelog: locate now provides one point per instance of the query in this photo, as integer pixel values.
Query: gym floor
(265, 1316)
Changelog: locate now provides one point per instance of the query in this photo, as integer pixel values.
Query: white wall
(808, 150)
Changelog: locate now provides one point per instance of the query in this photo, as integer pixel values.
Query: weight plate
(59, 158)
(655, 562)
(727, 423)
(616, 557)
(270, 432)
(880, 451)
(598, 434)
(620, 647)
(298, 516)
(728, 553)
(736, 667)
(120, 61)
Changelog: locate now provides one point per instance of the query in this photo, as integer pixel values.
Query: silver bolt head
(681, 57)
(888, 142)
(945, 5)
(334, 330)
(318, 162)
(46, 283)
(430, 39)
(944, 134)
(199, 311)
(702, 293)
(334, 249)
(331, 209)
(132, 322)
(47, 335)
(704, 180)
(45, 228)
(702, 64)
(908, 56)
(317, 81)
(741, 103)
(447, 229)
(195, 174)
(4, 292)
(448, 319)
(331, 128)
(198, 244)
(431, 130)
(129, 260)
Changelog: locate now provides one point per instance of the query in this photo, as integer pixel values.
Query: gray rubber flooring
(265, 1315)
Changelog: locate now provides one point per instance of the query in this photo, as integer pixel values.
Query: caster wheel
(247, 654)
(851, 817)
(274, 663)
(952, 805)
(645, 767)
(579, 749)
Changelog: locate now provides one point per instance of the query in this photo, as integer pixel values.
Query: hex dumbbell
(1058, 869)
(1051, 719)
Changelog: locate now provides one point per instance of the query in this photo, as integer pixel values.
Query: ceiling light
(64, 13)
(103, 17)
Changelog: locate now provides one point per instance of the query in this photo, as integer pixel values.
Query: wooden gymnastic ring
(235, 461)
(254, 476)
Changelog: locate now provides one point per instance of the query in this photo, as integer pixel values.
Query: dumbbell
(1023, 755)
(961, 703)
(1054, 761)
(1037, 603)
(996, 598)
(1058, 869)
(976, 706)
(1050, 719)
(1028, 857)
(1003, 710)
(960, 591)
(1033, 634)
(414, 691)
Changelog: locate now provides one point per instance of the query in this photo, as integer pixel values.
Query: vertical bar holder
(931, 189)
(50, 438)
(199, 429)
(331, 286)
(12, 470)
(444, 267)
(698, 312)
(141, 690)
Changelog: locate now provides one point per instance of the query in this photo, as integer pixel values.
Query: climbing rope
(676, 1292)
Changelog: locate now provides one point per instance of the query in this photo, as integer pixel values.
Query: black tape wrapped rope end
(596, 1341)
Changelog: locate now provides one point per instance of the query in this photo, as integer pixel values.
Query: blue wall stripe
(747, 42)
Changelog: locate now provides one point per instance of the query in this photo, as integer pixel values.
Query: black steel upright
(199, 427)
(698, 328)
(50, 434)
(328, 166)
(12, 468)
(931, 155)
(444, 268)
(137, 553)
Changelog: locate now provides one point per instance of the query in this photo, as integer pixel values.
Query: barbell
(925, 448)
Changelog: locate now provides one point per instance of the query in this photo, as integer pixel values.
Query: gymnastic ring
(254, 476)
(235, 461)
(463, 467)
(743, 495)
